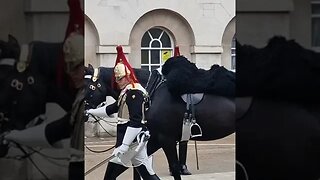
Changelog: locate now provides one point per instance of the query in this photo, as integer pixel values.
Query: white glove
(130, 135)
(33, 137)
(119, 151)
(101, 111)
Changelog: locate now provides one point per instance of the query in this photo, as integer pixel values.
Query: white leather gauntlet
(33, 137)
(101, 111)
(130, 135)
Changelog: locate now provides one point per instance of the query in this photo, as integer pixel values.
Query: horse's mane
(184, 77)
(282, 69)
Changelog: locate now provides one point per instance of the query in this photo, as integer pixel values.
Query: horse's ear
(12, 39)
(90, 67)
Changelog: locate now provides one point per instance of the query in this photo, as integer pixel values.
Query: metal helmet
(122, 68)
(120, 71)
(73, 50)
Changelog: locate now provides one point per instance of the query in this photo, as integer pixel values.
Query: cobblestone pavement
(216, 160)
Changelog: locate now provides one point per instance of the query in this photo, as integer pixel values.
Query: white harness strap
(24, 53)
(7, 61)
(87, 76)
(95, 74)
(25, 57)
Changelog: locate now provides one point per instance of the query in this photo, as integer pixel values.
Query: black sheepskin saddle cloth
(184, 77)
(281, 70)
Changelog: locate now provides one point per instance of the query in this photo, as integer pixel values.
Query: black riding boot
(76, 170)
(113, 171)
(136, 175)
(145, 174)
(183, 148)
(184, 170)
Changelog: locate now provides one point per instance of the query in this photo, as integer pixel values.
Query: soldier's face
(76, 75)
(122, 83)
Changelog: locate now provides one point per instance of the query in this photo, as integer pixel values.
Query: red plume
(122, 58)
(176, 51)
(76, 23)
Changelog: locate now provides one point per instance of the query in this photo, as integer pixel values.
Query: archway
(174, 24)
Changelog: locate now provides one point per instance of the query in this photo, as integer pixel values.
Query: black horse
(25, 91)
(26, 88)
(278, 111)
(277, 139)
(215, 115)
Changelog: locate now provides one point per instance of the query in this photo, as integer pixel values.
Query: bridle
(92, 87)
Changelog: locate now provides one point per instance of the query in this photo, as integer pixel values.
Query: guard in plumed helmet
(131, 128)
(73, 50)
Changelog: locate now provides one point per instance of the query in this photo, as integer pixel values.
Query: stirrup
(196, 125)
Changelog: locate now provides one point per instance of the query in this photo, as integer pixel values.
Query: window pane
(154, 67)
(145, 40)
(316, 32)
(155, 58)
(233, 42)
(315, 9)
(144, 57)
(166, 54)
(165, 39)
(145, 67)
(233, 62)
(155, 32)
(155, 44)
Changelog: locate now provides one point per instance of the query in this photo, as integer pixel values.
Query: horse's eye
(30, 80)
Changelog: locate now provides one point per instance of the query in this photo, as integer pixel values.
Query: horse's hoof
(184, 170)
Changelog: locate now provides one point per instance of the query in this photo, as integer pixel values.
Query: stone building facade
(149, 30)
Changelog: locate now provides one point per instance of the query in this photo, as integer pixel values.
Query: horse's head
(98, 86)
(9, 54)
(9, 49)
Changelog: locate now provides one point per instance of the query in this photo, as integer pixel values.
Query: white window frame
(313, 16)
(150, 48)
(233, 55)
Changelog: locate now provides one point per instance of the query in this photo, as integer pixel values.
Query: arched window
(315, 10)
(156, 48)
(233, 54)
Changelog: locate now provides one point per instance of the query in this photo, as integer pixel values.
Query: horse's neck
(142, 75)
(155, 80)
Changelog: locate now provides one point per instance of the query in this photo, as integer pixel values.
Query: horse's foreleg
(170, 149)
(153, 145)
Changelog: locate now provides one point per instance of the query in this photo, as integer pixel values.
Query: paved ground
(216, 160)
